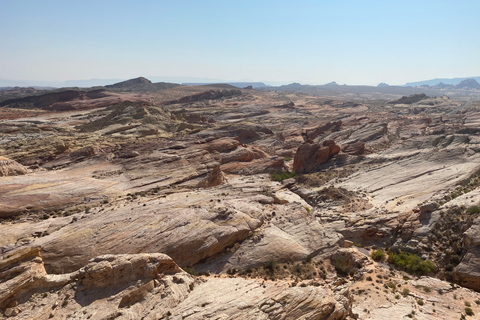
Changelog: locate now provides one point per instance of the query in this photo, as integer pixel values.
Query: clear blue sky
(315, 42)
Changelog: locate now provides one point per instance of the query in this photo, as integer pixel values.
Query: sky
(310, 42)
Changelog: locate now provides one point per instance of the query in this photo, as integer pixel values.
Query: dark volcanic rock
(140, 84)
(410, 99)
(207, 95)
(52, 101)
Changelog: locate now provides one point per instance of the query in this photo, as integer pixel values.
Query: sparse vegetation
(280, 176)
(378, 255)
(190, 270)
(474, 210)
(271, 265)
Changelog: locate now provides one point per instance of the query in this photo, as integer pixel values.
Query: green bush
(469, 311)
(378, 255)
(280, 176)
(411, 263)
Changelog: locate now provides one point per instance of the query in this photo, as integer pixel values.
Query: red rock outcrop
(311, 155)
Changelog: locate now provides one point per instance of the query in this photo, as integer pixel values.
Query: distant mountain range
(58, 84)
(434, 82)
(154, 83)
(254, 85)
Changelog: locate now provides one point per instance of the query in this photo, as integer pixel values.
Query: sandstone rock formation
(310, 155)
(152, 286)
(467, 272)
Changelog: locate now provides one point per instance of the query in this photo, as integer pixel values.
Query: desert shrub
(378, 255)
(405, 292)
(190, 270)
(469, 311)
(467, 304)
(271, 265)
(420, 302)
(411, 263)
(391, 285)
(280, 176)
(288, 158)
(474, 210)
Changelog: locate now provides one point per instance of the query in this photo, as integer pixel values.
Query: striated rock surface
(185, 171)
(152, 286)
(246, 299)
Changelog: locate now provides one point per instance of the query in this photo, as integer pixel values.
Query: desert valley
(144, 200)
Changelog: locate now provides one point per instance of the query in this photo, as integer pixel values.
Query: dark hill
(410, 99)
(468, 84)
(45, 101)
(140, 84)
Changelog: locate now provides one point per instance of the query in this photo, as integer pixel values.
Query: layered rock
(135, 285)
(227, 298)
(467, 272)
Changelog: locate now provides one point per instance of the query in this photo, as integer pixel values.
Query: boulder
(348, 260)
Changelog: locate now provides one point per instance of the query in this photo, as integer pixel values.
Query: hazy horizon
(310, 42)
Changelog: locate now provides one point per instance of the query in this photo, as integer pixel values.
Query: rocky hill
(218, 202)
(468, 84)
(140, 84)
